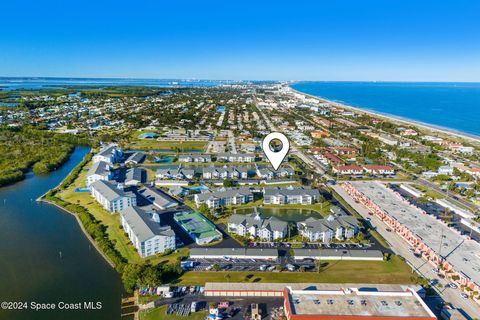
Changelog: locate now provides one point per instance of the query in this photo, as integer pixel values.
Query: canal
(45, 257)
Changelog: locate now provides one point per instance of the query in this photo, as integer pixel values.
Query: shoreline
(92, 241)
(394, 118)
(42, 199)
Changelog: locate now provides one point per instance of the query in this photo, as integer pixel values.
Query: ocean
(454, 106)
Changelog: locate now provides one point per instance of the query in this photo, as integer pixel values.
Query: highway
(421, 266)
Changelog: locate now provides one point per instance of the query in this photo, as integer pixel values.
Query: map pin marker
(275, 152)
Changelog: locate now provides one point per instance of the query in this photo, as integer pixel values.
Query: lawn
(429, 193)
(138, 144)
(112, 223)
(393, 271)
(323, 209)
(318, 207)
(159, 314)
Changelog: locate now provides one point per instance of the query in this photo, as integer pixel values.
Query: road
(458, 201)
(308, 159)
(421, 266)
(398, 245)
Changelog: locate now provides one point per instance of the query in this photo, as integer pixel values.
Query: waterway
(45, 257)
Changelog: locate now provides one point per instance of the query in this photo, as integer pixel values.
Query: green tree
(228, 183)
(130, 275)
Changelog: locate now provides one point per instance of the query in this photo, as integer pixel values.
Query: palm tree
(290, 227)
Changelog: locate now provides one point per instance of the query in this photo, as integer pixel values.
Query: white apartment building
(142, 225)
(112, 197)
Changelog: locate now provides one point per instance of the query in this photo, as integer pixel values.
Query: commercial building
(199, 228)
(224, 197)
(254, 226)
(327, 301)
(290, 195)
(142, 225)
(354, 303)
(112, 197)
(454, 255)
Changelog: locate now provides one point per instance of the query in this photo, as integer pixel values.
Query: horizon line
(231, 80)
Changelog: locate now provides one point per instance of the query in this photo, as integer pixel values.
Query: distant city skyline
(350, 40)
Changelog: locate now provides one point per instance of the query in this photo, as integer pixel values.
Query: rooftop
(158, 198)
(357, 302)
(110, 191)
(461, 253)
(196, 224)
(141, 221)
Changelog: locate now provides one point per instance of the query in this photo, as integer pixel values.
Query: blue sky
(298, 40)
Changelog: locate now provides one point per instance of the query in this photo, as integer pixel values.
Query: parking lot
(234, 264)
(281, 245)
(234, 308)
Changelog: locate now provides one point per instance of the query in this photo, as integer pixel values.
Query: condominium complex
(290, 195)
(224, 197)
(254, 226)
(112, 197)
(329, 228)
(142, 225)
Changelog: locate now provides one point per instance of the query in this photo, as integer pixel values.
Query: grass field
(393, 271)
(112, 223)
(167, 145)
(429, 193)
(324, 209)
(159, 314)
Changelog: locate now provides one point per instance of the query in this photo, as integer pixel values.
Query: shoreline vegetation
(398, 119)
(132, 274)
(35, 149)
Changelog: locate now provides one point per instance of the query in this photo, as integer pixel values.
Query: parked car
(291, 267)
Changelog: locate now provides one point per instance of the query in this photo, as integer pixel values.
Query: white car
(464, 295)
(263, 267)
(453, 286)
(290, 267)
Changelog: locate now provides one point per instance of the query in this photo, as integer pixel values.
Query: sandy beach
(444, 132)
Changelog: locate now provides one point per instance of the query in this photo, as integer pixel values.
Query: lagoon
(45, 257)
